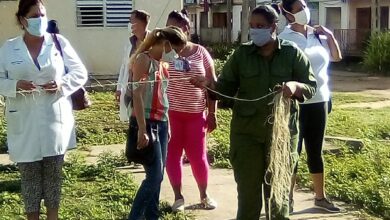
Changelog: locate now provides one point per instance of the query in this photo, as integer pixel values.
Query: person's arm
(77, 75)
(140, 68)
(303, 86)
(211, 103)
(333, 45)
(122, 72)
(9, 87)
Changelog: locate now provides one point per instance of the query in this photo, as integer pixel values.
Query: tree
(244, 21)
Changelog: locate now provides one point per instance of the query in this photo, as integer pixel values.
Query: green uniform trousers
(249, 160)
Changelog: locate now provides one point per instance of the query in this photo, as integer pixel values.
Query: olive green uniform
(249, 75)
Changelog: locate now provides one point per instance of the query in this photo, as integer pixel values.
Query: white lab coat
(39, 124)
(123, 81)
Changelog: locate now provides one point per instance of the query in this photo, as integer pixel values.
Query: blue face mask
(260, 36)
(37, 26)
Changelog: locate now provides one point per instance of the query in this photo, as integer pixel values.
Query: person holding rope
(321, 47)
(138, 27)
(149, 118)
(253, 71)
(40, 122)
(191, 116)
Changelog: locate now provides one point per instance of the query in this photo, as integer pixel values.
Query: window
(103, 13)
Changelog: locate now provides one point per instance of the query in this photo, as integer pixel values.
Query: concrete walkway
(222, 188)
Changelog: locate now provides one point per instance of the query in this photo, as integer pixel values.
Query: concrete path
(222, 188)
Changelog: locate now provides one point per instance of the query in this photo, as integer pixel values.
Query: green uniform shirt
(248, 75)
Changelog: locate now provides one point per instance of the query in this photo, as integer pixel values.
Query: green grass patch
(373, 124)
(340, 98)
(96, 191)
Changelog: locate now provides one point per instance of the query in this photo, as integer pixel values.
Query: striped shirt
(182, 95)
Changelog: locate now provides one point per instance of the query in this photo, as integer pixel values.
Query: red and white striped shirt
(182, 95)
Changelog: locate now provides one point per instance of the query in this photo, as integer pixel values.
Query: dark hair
(52, 27)
(180, 16)
(268, 12)
(276, 7)
(141, 15)
(24, 7)
(287, 5)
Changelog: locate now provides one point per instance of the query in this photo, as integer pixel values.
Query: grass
(360, 178)
(341, 98)
(95, 191)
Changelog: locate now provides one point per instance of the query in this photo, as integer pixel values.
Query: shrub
(377, 55)
(221, 51)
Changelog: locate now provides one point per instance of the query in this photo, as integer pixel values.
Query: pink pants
(188, 132)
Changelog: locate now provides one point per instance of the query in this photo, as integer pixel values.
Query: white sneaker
(209, 203)
(178, 206)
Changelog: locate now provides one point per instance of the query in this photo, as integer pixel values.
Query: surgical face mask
(170, 56)
(260, 36)
(302, 17)
(37, 26)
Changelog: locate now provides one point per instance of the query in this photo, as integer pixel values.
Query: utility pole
(375, 16)
(229, 21)
(245, 21)
(252, 4)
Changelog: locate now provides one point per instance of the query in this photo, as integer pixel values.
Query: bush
(377, 55)
(221, 51)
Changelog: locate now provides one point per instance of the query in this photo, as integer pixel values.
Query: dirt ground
(364, 84)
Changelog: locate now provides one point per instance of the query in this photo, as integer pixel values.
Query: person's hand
(289, 89)
(117, 95)
(321, 30)
(211, 121)
(143, 139)
(25, 86)
(200, 82)
(50, 87)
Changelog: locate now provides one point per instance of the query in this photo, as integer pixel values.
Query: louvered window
(103, 13)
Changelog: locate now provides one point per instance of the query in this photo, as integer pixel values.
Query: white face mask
(302, 17)
(37, 26)
(170, 56)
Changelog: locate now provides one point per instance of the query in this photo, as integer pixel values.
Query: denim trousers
(146, 201)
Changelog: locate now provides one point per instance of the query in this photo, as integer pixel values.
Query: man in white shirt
(139, 21)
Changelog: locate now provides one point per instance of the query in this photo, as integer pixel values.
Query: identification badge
(179, 65)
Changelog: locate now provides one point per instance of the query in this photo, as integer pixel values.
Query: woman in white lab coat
(40, 122)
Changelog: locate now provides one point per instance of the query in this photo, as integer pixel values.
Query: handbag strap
(57, 44)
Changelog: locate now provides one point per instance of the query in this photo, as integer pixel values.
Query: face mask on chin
(37, 26)
(170, 56)
(260, 36)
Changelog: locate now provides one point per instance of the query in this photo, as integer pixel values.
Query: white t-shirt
(318, 53)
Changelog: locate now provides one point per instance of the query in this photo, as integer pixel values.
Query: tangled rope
(279, 171)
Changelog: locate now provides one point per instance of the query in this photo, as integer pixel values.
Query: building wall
(100, 48)
(362, 4)
(336, 3)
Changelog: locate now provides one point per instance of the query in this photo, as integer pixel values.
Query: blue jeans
(146, 202)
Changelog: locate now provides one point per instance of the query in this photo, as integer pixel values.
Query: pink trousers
(188, 133)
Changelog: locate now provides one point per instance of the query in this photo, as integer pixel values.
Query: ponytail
(151, 39)
(172, 34)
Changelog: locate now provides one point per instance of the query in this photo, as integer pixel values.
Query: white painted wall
(336, 3)
(99, 48)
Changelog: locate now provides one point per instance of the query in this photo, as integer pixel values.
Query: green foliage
(340, 98)
(221, 51)
(95, 191)
(218, 141)
(377, 55)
